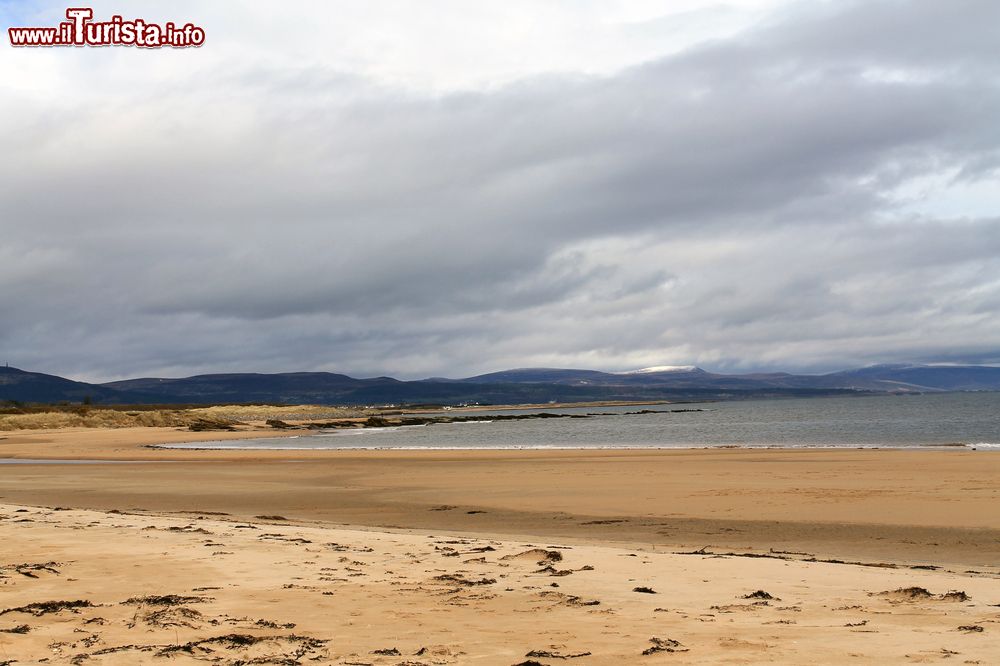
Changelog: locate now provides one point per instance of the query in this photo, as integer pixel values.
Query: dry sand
(420, 534)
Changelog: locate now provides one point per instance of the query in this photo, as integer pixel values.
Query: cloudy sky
(449, 187)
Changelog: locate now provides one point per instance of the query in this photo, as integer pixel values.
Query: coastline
(893, 505)
(541, 406)
(409, 556)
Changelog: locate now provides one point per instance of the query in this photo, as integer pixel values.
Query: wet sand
(900, 506)
(834, 526)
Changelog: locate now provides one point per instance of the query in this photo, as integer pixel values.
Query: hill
(19, 385)
(524, 385)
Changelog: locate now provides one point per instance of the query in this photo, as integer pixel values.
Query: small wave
(984, 445)
(366, 431)
(257, 445)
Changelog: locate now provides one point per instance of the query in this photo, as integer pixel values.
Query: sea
(929, 421)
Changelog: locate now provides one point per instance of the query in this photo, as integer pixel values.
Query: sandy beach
(500, 333)
(418, 557)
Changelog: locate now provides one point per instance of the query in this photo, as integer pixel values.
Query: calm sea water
(969, 419)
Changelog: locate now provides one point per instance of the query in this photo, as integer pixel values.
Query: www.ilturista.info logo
(81, 30)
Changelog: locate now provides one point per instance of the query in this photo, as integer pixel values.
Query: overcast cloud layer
(447, 188)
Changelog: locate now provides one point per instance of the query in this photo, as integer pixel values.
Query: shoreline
(916, 505)
(441, 557)
(552, 405)
(988, 446)
(130, 443)
(152, 443)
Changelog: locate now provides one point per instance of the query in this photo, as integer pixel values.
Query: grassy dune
(46, 417)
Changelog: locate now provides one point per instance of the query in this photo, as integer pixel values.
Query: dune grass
(77, 416)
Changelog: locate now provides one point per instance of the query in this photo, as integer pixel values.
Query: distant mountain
(524, 385)
(662, 368)
(515, 386)
(664, 376)
(922, 377)
(541, 376)
(897, 377)
(289, 387)
(37, 387)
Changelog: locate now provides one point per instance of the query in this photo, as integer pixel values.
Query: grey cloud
(733, 205)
